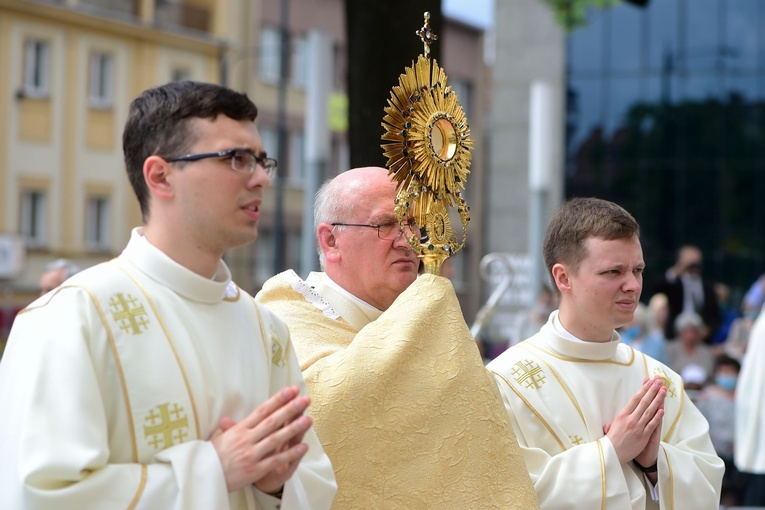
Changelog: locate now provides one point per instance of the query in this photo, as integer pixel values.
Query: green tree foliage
(571, 13)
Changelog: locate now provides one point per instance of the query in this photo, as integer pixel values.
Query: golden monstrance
(428, 150)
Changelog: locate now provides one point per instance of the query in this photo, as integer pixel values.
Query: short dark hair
(576, 221)
(159, 124)
(723, 360)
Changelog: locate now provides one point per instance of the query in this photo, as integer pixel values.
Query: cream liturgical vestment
(749, 447)
(403, 405)
(111, 385)
(560, 393)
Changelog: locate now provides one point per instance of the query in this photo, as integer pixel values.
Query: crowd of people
(155, 381)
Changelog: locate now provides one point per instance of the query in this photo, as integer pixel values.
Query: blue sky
(474, 12)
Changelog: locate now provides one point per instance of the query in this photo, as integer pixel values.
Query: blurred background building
(69, 69)
(658, 107)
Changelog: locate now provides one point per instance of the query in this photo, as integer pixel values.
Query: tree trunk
(381, 43)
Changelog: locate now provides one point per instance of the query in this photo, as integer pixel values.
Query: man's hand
(265, 448)
(636, 430)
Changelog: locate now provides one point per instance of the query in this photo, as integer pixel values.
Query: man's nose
(402, 239)
(633, 283)
(259, 176)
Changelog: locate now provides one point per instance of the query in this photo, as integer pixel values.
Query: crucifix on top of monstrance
(428, 150)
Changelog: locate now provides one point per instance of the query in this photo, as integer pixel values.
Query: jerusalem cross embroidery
(166, 426)
(128, 313)
(277, 350)
(528, 374)
(671, 388)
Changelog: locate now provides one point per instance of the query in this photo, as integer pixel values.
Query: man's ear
(328, 242)
(562, 277)
(156, 172)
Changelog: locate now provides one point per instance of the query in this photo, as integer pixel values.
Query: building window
(33, 212)
(296, 158)
(101, 80)
(37, 68)
(180, 74)
(270, 140)
(97, 224)
(270, 54)
(300, 62)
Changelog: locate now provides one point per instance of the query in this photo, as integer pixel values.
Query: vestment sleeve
(690, 472)
(313, 485)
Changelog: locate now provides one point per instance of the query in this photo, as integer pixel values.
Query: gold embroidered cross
(529, 374)
(277, 350)
(164, 431)
(576, 439)
(671, 389)
(128, 313)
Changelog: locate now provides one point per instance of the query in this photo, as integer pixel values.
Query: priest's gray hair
(331, 205)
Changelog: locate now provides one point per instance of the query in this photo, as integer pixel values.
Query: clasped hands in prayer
(636, 430)
(266, 447)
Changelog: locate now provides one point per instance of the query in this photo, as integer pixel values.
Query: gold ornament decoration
(428, 154)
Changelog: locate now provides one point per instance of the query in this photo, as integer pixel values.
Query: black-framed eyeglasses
(243, 161)
(389, 230)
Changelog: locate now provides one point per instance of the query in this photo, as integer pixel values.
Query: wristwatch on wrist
(278, 494)
(649, 469)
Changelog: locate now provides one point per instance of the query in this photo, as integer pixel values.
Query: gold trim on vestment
(679, 411)
(141, 487)
(536, 413)
(602, 477)
(581, 360)
(170, 342)
(671, 481)
(120, 371)
(45, 303)
(262, 329)
(565, 388)
(645, 362)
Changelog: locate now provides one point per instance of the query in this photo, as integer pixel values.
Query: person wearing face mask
(717, 403)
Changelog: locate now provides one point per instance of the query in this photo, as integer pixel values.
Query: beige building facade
(69, 69)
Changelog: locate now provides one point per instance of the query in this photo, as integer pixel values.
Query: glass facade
(666, 116)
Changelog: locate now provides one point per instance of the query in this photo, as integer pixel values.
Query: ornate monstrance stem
(428, 153)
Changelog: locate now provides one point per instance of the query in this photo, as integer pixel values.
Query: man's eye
(241, 158)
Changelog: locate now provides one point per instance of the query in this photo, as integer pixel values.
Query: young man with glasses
(401, 400)
(153, 381)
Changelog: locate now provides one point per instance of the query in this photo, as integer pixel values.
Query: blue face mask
(726, 382)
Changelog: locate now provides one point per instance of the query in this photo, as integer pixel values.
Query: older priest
(401, 400)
